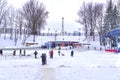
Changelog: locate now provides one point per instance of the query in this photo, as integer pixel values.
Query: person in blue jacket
(44, 60)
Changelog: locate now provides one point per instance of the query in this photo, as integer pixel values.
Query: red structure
(110, 50)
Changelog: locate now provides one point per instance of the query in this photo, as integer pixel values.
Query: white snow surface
(84, 65)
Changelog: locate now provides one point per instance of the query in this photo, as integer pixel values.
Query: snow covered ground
(85, 65)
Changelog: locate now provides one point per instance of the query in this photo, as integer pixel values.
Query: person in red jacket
(51, 54)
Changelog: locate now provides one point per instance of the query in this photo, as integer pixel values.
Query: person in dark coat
(1, 52)
(59, 52)
(20, 52)
(24, 53)
(72, 53)
(35, 53)
(14, 52)
(44, 60)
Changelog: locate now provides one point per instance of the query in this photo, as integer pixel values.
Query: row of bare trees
(91, 15)
(99, 17)
(30, 19)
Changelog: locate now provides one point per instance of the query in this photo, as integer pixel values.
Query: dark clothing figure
(72, 53)
(14, 52)
(100, 48)
(70, 48)
(88, 47)
(20, 52)
(1, 52)
(43, 57)
(35, 53)
(24, 53)
(94, 48)
(59, 52)
(59, 48)
(51, 54)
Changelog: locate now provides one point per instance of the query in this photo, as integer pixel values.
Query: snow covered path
(47, 74)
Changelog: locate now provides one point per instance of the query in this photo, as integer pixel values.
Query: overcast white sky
(58, 8)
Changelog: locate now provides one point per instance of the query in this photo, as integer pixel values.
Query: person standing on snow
(59, 52)
(35, 53)
(51, 54)
(14, 52)
(20, 52)
(44, 60)
(72, 53)
(24, 53)
(1, 52)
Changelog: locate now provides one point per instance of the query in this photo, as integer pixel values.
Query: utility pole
(62, 27)
(79, 34)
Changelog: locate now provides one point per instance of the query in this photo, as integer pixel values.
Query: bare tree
(14, 23)
(83, 18)
(99, 20)
(20, 23)
(118, 5)
(5, 25)
(11, 21)
(35, 15)
(3, 10)
(88, 16)
(25, 33)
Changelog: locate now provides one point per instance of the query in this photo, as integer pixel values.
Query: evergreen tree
(111, 19)
(115, 18)
(108, 18)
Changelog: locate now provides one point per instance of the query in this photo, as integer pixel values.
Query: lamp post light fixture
(79, 31)
(79, 34)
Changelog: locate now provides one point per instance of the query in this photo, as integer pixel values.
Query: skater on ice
(72, 53)
(35, 53)
(51, 53)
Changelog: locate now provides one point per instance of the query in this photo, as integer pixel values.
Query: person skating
(35, 53)
(14, 52)
(20, 52)
(51, 54)
(1, 52)
(24, 53)
(72, 53)
(59, 52)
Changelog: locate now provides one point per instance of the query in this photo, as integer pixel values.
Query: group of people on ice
(51, 53)
(43, 56)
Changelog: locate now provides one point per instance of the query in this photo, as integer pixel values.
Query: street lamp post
(48, 31)
(79, 34)
(55, 36)
(62, 26)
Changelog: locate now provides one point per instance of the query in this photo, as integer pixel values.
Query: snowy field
(85, 65)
